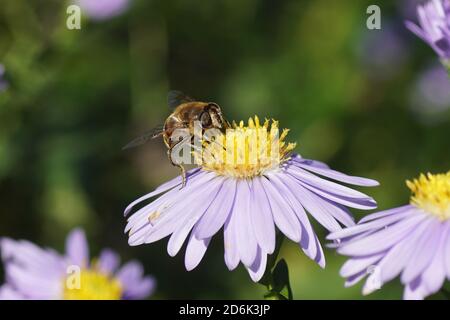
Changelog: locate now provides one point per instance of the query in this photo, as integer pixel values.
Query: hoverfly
(186, 111)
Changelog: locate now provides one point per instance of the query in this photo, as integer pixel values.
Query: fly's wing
(153, 133)
(175, 98)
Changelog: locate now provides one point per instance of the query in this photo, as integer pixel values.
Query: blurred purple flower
(431, 94)
(434, 26)
(36, 273)
(384, 51)
(413, 240)
(103, 9)
(248, 201)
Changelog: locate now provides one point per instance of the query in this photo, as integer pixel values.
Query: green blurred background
(373, 103)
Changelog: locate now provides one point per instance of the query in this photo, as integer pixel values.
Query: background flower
(36, 273)
(412, 240)
(103, 9)
(434, 26)
(430, 94)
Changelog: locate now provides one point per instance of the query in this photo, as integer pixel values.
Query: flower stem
(276, 277)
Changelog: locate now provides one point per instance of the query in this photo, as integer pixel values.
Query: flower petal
(197, 209)
(245, 237)
(195, 251)
(262, 219)
(217, 213)
(336, 175)
(257, 269)
(163, 188)
(422, 256)
(109, 261)
(283, 215)
(382, 239)
(77, 248)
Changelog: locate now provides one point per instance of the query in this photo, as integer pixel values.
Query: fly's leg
(183, 171)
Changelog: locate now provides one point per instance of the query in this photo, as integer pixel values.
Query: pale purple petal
(422, 255)
(381, 240)
(108, 261)
(8, 293)
(216, 215)
(262, 219)
(245, 237)
(230, 243)
(354, 279)
(194, 212)
(380, 223)
(447, 252)
(415, 290)
(257, 269)
(34, 272)
(195, 251)
(325, 185)
(130, 272)
(356, 265)
(434, 276)
(163, 188)
(314, 207)
(172, 216)
(385, 213)
(336, 175)
(139, 289)
(77, 248)
(283, 215)
(134, 283)
(399, 256)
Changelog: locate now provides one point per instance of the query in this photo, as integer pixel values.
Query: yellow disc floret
(91, 284)
(245, 151)
(431, 193)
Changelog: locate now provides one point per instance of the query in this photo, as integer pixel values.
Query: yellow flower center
(245, 151)
(431, 193)
(91, 284)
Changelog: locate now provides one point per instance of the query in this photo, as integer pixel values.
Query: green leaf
(272, 295)
(281, 279)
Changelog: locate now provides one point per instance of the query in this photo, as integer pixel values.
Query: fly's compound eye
(205, 119)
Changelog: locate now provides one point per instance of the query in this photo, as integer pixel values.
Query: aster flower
(36, 273)
(411, 240)
(434, 26)
(248, 199)
(103, 9)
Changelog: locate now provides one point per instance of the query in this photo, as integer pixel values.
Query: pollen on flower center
(431, 193)
(91, 284)
(245, 151)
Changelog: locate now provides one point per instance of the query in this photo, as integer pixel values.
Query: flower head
(248, 184)
(103, 9)
(412, 240)
(36, 273)
(434, 26)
